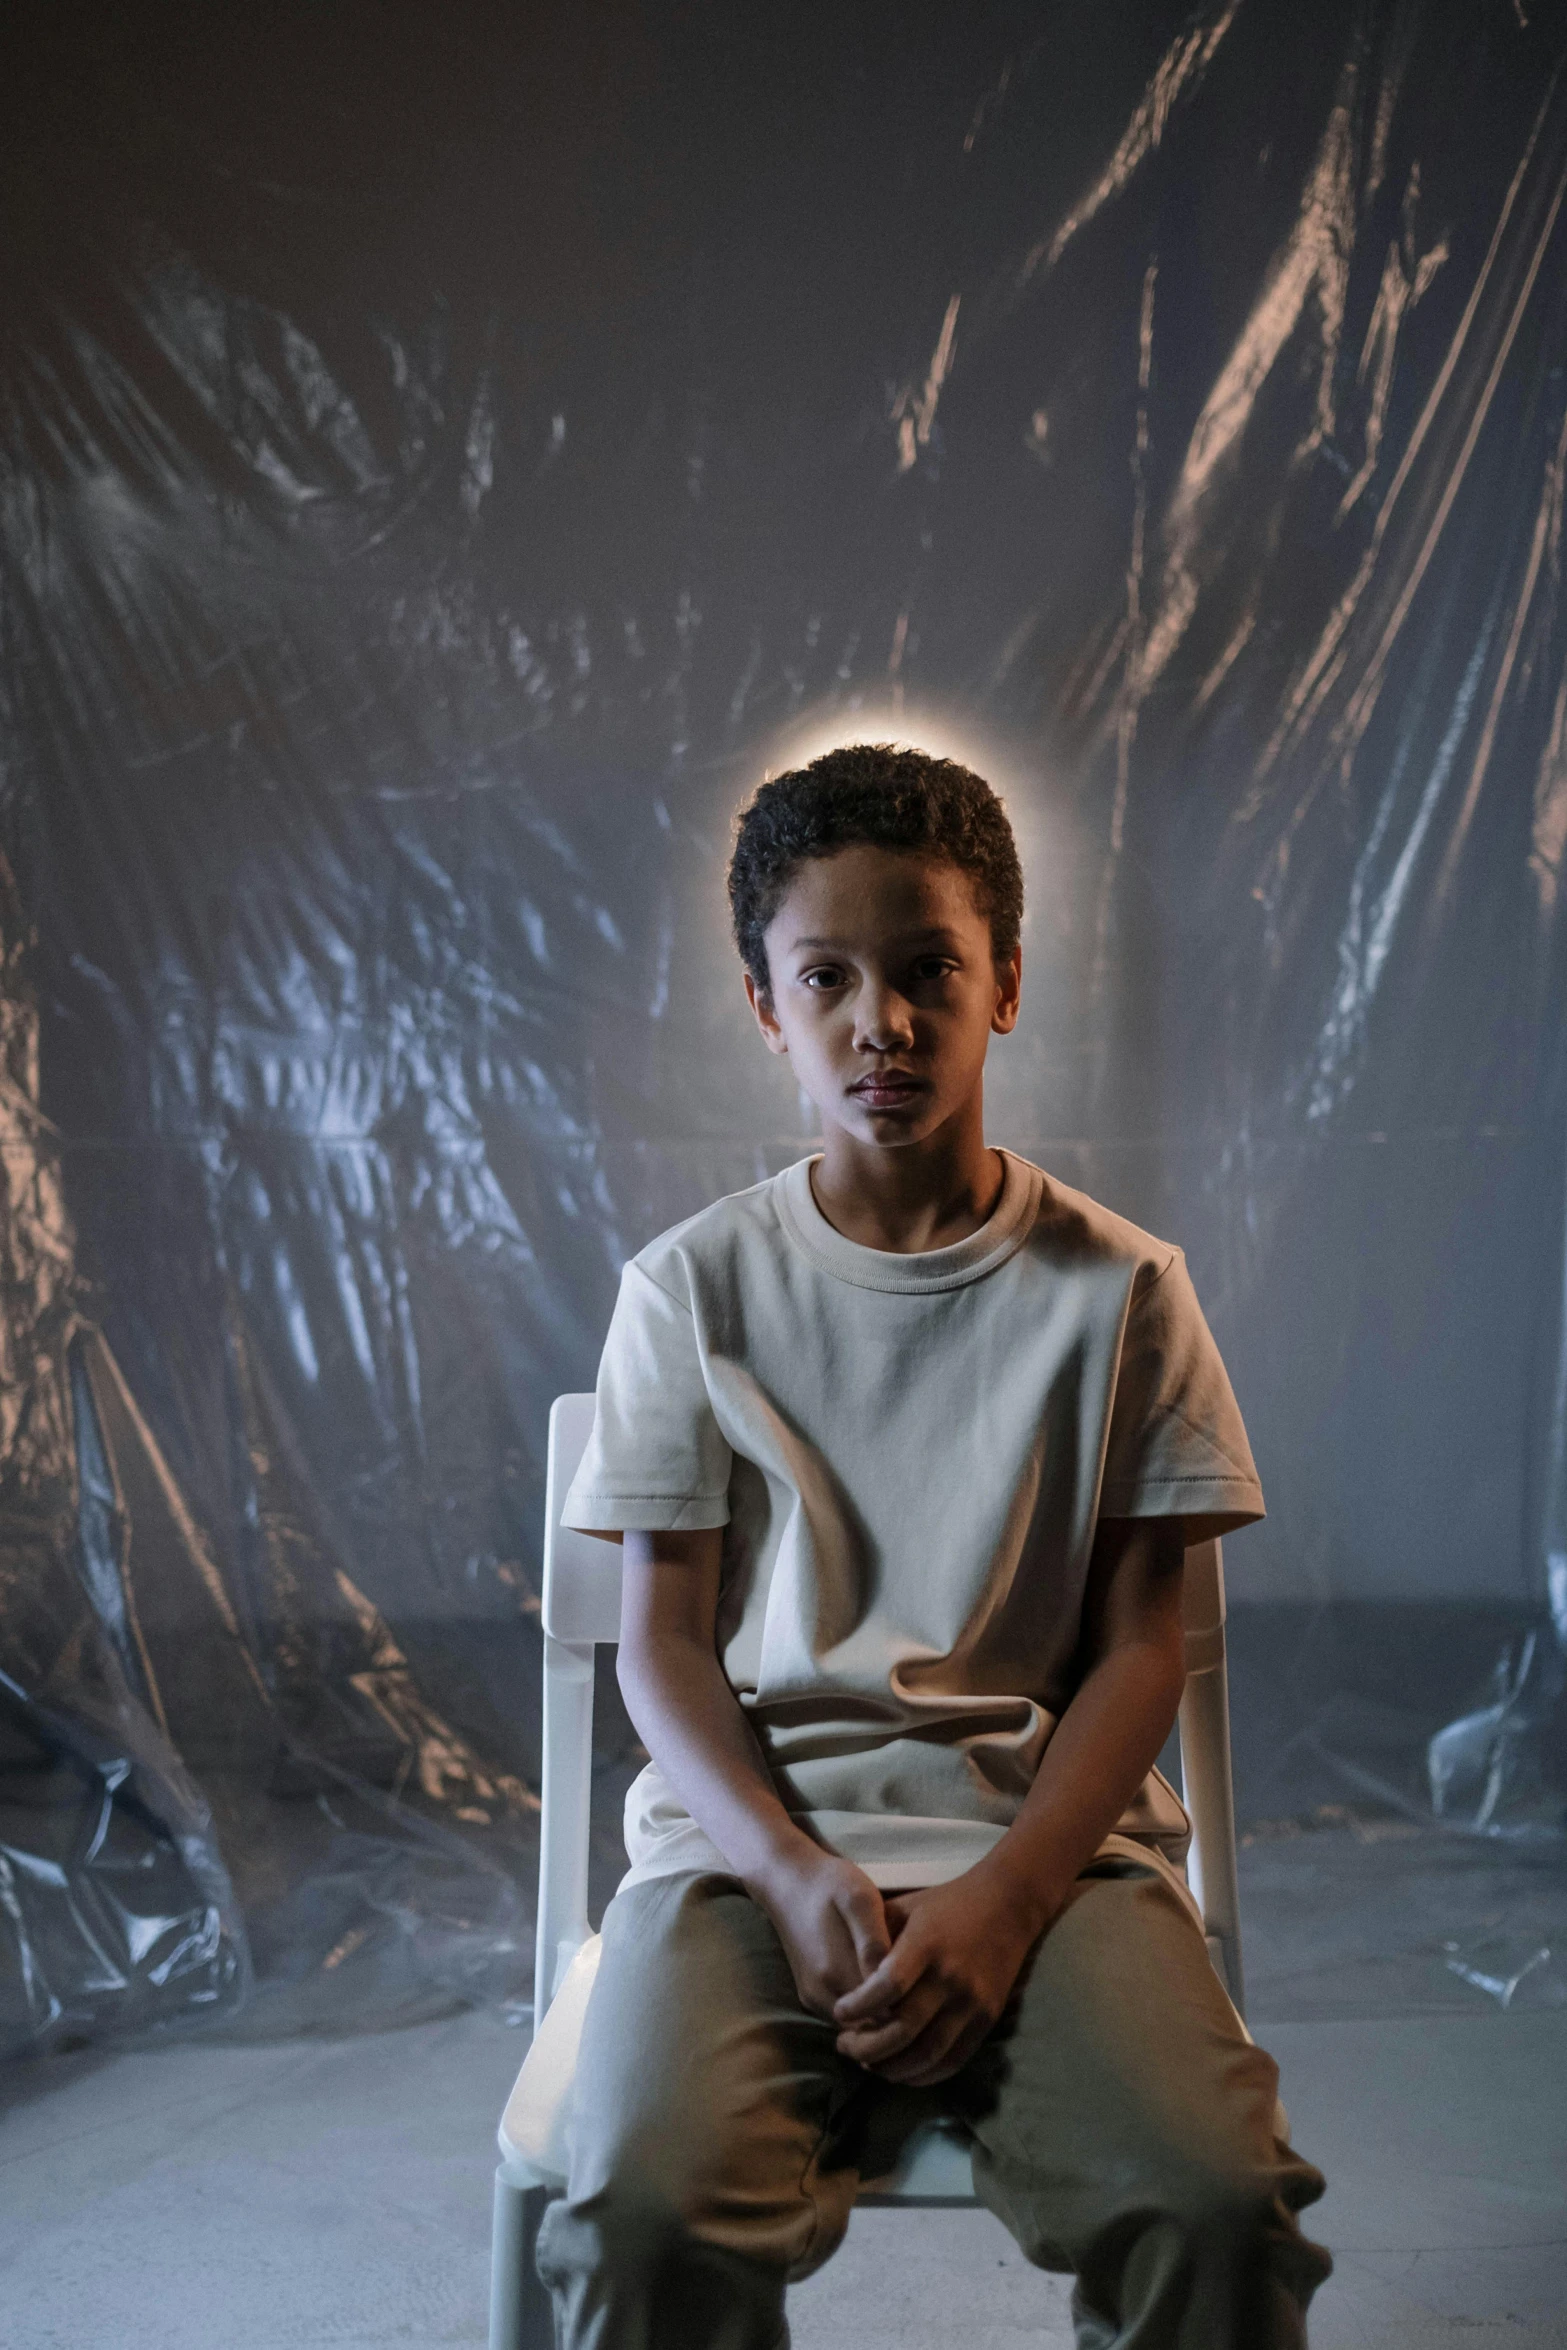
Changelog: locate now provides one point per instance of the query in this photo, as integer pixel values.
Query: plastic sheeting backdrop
(447, 455)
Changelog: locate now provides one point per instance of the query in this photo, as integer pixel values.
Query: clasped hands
(914, 1981)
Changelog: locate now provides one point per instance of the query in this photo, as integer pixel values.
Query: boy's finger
(872, 1942)
(889, 1983)
(936, 2054)
(872, 2044)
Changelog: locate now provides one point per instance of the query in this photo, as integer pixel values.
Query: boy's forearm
(693, 1726)
(1101, 1752)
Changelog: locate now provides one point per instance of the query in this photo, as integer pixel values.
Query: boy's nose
(885, 1021)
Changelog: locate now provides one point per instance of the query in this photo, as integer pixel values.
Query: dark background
(447, 454)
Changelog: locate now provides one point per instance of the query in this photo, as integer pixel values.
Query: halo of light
(915, 727)
(1017, 773)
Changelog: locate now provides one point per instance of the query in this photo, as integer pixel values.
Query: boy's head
(881, 796)
(877, 900)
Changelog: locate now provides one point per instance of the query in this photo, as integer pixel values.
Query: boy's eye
(825, 975)
(931, 967)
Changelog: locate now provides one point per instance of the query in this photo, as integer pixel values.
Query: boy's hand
(957, 1951)
(830, 1920)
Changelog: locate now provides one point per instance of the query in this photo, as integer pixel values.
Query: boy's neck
(924, 1195)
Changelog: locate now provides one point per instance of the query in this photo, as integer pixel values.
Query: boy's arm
(828, 1912)
(959, 1947)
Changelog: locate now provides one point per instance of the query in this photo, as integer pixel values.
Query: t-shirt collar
(1000, 1237)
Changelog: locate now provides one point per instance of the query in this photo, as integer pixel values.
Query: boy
(904, 1448)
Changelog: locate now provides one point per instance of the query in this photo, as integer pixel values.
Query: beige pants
(1123, 2130)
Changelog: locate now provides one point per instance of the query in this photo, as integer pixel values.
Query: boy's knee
(642, 2201)
(641, 2192)
(646, 2201)
(622, 2265)
(1236, 2219)
(1180, 2198)
(1230, 2203)
(626, 2228)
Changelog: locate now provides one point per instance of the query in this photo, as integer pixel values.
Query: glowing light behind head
(1026, 1073)
(1008, 770)
(915, 729)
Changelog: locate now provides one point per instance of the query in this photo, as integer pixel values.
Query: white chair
(582, 1608)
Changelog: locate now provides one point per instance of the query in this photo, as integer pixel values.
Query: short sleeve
(1177, 1446)
(656, 1460)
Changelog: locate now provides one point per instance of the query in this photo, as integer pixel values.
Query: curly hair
(890, 797)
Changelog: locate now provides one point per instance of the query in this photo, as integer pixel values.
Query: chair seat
(934, 2166)
(532, 2134)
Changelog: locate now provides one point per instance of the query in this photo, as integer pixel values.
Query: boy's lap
(1118, 2047)
(698, 2059)
(1121, 2081)
(1120, 2043)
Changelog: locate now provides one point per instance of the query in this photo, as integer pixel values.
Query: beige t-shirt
(908, 1455)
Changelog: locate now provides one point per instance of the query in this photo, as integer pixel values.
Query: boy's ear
(761, 1004)
(1009, 993)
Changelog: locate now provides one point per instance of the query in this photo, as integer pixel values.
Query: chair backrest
(581, 1611)
(581, 1573)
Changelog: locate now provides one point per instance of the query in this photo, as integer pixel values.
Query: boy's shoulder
(1071, 1228)
(1069, 1232)
(740, 1221)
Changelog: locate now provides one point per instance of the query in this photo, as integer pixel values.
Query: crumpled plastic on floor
(115, 1901)
(1501, 1965)
(1497, 1770)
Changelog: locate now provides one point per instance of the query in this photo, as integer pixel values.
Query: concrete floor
(333, 2195)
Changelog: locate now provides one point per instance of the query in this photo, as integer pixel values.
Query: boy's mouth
(887, 1089)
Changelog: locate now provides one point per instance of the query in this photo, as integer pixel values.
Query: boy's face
(885, 992)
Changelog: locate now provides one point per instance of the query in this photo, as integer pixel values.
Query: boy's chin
(892, 1129)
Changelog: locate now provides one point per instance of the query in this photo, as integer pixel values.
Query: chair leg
(522, 2314)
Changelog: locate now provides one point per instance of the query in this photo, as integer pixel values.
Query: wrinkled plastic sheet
(442, 462)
